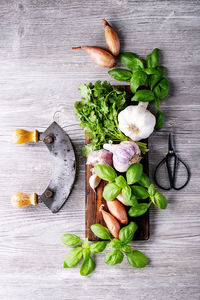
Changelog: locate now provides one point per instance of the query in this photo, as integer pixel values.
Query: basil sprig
(135, 187)
(146, 77)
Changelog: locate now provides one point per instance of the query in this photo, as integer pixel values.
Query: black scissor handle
(178, 160)
(155, 174)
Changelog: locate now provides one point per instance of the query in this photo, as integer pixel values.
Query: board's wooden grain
(94, 200)
(39, 75)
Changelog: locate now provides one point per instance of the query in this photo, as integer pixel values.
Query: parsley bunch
(98, 111)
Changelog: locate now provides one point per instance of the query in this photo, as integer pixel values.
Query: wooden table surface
(39, 77)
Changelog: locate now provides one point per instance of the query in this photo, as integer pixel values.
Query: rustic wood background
(39, 77)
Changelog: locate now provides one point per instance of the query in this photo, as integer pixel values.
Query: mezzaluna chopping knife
(64, 170)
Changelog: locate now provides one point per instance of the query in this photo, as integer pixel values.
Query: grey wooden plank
(39, 75)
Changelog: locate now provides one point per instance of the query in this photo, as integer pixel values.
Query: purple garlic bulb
(100, 157)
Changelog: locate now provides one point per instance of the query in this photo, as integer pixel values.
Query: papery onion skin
(100, 157)
(118, 210)
(112, 223)
(112, 39)
(100, 56)
(124, 154)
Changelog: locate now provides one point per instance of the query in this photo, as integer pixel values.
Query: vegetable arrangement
(115, 126)
(84, 249)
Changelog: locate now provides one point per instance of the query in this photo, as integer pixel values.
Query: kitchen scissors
(171, 171)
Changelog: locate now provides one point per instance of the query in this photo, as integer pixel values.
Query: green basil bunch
(120, 247)
(82, 251)
(134, 188)
(146, 77)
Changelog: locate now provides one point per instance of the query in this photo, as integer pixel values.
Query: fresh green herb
(138, 78)
(114, 257)
(152, 59)
(101, 231)
(160, 200)
(121, 181)
(126, 233)
(87, 266)
(131, 61)
(143, 96)
(111, 191)
(140, 192)
(134, 173)
(70, 239)
(137, 259)
(139, 209)
(120, 74)
(105, 172)
(144, 180)
(73, 257)
(160, 120)
(98, 247)
(126, 194)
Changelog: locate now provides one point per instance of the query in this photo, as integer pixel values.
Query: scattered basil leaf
(126, 194)
(101, 231)
(98, 247)
(87, 267)
(126, 249)
(137, 259)
(151, 190)
(144, 180)
(143, 96)
(160, 201)
(140, 192)
(120, 74)
(114, 257)
(131, 61)
(121, 181)
(105, 172)
(115, 243)
(73, 257)
(138, 209)
(70, 239)
(127, 232)
(160, 120)
(65, 265)
(153, 80)
(152, 59)
(138, 78)
(134, 173)
(155, 71)
(111, 191)
(161, 89)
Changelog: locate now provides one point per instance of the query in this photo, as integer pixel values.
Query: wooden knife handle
(21, 136)
(22, 199)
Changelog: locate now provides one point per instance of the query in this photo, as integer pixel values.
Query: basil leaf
(98, 247)
(127, 232)
(86, 253)
(153, 80)
(126, 194)
(105, 172)
(139, 209)
(151, 190)
(160, 120)
(160, 201)
(126, 249)
(143, 96)
(120, 74)
(87, 267)
(70, 239)
(115, 243)
(140, 192)
(121, 181)
(138, 78)
(114, 257)
(137, 259)
(101, 231)
(131, 61)
(144, 180)
(111, 191)
(152, 59)
(155, 71)
(161, 89)
(157, 102)
(73, 257)
(134, 173)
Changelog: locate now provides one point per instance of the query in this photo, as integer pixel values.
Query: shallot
(118, 210)
(112, 39)
(112, 223)
(99, 56)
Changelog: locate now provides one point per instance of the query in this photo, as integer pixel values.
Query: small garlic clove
(99, 56)
(112, 39)
(94, 181)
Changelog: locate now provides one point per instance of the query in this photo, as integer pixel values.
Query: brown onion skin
(99, 56)
(112, 39)
(118, 210)
(112, 223)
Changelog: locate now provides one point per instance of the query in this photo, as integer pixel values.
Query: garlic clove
(94, 181)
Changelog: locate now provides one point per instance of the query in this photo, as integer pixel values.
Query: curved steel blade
(64, 170)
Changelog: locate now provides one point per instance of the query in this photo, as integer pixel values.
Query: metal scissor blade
(64, 170)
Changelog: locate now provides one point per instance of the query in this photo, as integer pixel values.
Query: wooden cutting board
(94, 200)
